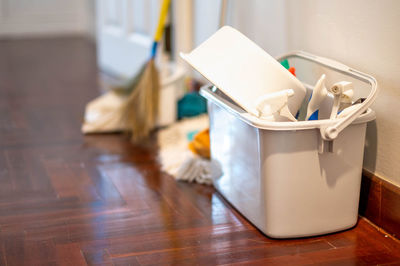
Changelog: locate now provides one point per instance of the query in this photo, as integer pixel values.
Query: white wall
(206, 19)
(363, 34)
(20, 18)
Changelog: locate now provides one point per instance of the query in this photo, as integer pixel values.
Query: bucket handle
(332, 130)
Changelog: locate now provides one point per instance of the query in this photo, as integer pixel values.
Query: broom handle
(160, 27)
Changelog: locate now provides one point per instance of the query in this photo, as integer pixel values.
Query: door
(125, 34)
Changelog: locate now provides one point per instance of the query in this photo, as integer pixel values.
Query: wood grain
(371, 198)
(68, 199)
(380, 203)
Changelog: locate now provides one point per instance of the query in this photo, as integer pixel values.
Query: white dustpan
(242, 70)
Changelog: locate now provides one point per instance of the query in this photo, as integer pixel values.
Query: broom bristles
(140, 111)
(130, 85)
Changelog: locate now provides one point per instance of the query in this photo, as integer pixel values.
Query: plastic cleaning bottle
(342, 93)
(318, 96)
(270, 105)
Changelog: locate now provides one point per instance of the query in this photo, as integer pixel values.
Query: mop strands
(197, 167)
(177, 155)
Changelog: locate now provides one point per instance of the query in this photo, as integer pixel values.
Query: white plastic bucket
(293, 179)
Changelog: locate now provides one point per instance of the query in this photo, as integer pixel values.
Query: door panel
(124, 34)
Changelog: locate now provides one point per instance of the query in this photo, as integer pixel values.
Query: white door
(125, 34)
(44, 17)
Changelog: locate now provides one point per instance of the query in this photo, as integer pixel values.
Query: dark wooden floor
(68, 199)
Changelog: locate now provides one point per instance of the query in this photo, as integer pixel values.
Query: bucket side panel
(307, 193)
(235, 153)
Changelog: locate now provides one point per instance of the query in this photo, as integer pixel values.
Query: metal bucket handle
(331, 131)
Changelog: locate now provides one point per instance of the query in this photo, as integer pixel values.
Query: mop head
(103, 114)
(195, 169)
(176, 157)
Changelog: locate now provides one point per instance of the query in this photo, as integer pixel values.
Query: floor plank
(69, 199)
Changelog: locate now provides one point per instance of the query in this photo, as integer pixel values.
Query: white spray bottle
(272, 104)
(318, 96)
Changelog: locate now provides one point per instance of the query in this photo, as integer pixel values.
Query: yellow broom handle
(161, 20)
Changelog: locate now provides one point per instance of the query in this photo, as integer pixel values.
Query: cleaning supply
(191, 104)
(195, 169)
(242, 70)
(292, 179)
(270, 105)
(140, 110)
(132, 107)
(285, 64)
(318, 96)
(359, 100)
(348, 110)
(292, 70)
(103, 115)
(200, 144)
(173, 142)
(342, 93)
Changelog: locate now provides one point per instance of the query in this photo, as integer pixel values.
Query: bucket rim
(256, 122)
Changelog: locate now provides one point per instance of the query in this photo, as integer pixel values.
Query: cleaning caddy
(291, 179)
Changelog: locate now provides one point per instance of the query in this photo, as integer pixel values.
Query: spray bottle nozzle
(343, 93)
(274, 103)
